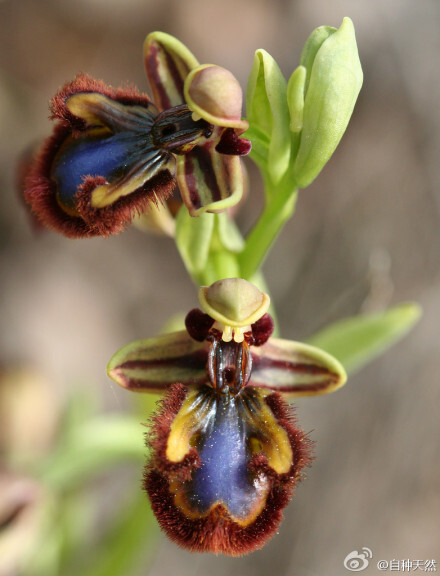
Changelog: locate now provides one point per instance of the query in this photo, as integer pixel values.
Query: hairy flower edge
(217, 531)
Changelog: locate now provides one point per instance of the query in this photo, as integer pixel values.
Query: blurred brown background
(366, 235)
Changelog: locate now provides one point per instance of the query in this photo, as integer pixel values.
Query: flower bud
(334, 79)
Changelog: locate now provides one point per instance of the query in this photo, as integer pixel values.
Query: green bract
(267, 112)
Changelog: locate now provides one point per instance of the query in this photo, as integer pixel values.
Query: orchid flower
(115, 152)
(226, 451)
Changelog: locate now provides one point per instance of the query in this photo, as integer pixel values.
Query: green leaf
(193, 239)
(92, 447)
(357, 340)
(44, 558)
(267, 111)
(125, 543)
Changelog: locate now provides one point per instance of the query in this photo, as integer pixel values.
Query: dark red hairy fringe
(157, 436)
(84, 83)
(24, 166)
(217, 532)
(40, 192)
(115, 217)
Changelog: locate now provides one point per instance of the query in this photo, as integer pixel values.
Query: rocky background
(365, 235)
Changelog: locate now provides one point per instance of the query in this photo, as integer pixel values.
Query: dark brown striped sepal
(167, 63)
(152, 365)
(209, 176)
(295, 369)
(209, 181)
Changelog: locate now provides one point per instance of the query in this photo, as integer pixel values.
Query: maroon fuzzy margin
(83, 83)
(157, 437)
(113, 218)
(217, 532)
(39, 190)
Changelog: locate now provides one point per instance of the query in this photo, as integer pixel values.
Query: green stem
(220, 264)
(280, 206)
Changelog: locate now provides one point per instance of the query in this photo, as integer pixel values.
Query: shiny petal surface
(167, 63)
(153, 364)
(295, 369)
(209, 181)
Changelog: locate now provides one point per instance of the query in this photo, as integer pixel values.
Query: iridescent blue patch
(223, 476)
(110, 157)
(225, 439)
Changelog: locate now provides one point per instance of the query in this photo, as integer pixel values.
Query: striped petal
(153, 364)
(295, 369)
(167, 63)
(209, 181)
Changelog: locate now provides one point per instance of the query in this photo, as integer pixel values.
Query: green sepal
(267, 111)
(295, 98)
(357, 340)
(311, 47)
(226, 243)
(193, 239)
(335, 82)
